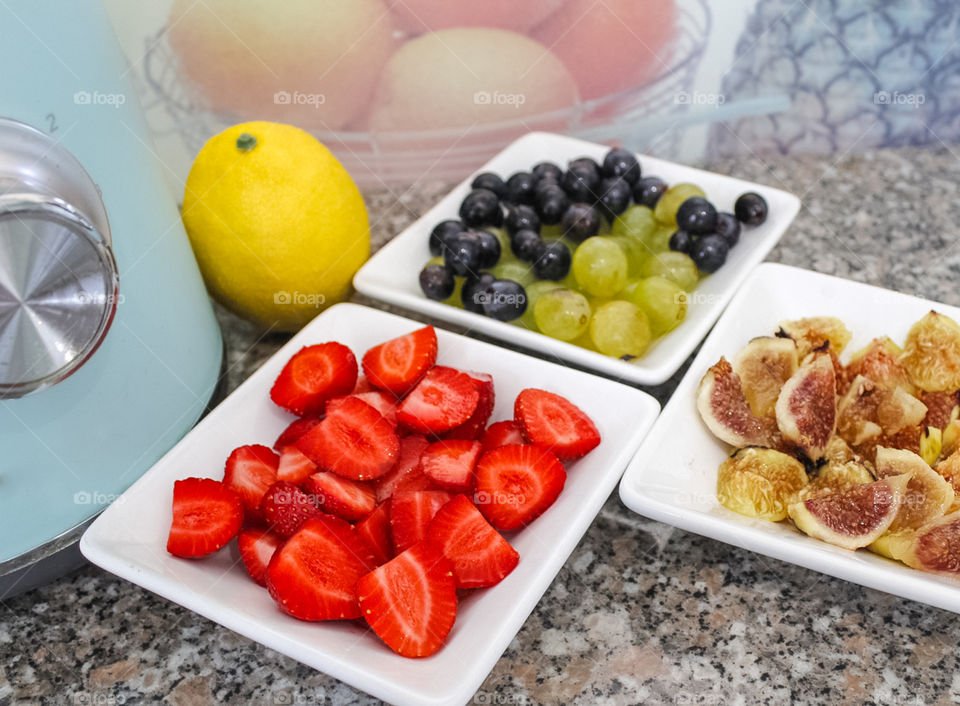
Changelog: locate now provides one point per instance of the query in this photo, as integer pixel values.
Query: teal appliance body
(109, 348)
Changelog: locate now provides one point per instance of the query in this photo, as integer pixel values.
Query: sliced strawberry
(450, 464)
(347, 499)
(445, 398)
(257, 547)
(363, 385)
(294, 466)
(383, 402)
(285, 508)
(297, 428)
(250, 470)
(502, 433)
(314, 574)
(206, 515)
(480, 556)
(406, 474)
(397, 365)
(374, 529)
(410, 515)
(516, 483)
(313, 375)
(353, 441)
(411, 601)
(555, 423)
(473, 428)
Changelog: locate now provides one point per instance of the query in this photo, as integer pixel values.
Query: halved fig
(931, 353)
(931, 444)
(868, 410)
(810, 334)
(942, 408)
(927, 496)
(763, 365)
(837, 476)
(879, 361)
(949, 470)
(893, 545)
(724, 409)
(806, 408)
(760, 483)
(854, 517)
(936, 546)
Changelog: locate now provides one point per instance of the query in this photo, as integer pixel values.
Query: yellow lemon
(276, 223)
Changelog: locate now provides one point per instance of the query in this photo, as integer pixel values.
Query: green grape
(454, 299)
(666, 209)
(636, 222)
(659, 240)
(634, 251)
(551, 232)
(534, 292)
(662, 300)
(620, 329)
(584, 341)
(506, 254)
(514, 269)
(438, 260)
(562, 314)
(600, 266)
(675, 266)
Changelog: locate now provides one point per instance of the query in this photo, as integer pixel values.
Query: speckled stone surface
(641, 612)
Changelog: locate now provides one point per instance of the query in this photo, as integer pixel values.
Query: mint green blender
(109, 349)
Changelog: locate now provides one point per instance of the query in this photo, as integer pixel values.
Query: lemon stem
(246, 142)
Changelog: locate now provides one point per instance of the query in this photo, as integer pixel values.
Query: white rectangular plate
(673, 477)
(392, 274)
(129, 538)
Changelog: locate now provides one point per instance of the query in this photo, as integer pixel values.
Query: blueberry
(520, 188)
(729, 227)
(437, 281)
(750, 209)
(581, 221)
(548, 170)
(552, 202)
(697, 216)
(474, 291)
(614, 195)
(648, 191)
(481, 207)
(441, 232)
(491, 182)
(681, 241)
(553, 261)
(464, 254)
(489, 249)
(504, 300)
(709, 253)
(622, 163)
(526, 244)
(586, 163)
(521, 217)
(581, 183)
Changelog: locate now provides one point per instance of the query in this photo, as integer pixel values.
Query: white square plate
(393, 273)
(673, 477)
(129, 538)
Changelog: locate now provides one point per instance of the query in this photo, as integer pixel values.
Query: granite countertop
(641, 612)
